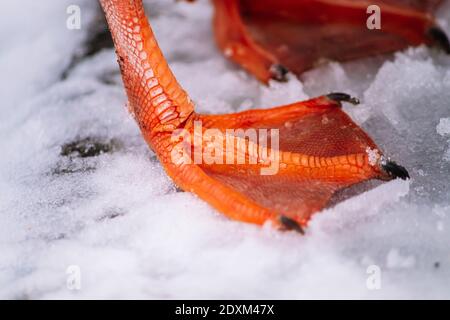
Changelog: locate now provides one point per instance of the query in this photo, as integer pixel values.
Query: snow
(443, 129)
(131, 233)
(396, 260)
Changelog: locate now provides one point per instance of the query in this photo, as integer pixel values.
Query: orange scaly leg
(320, 149)
(299, 34)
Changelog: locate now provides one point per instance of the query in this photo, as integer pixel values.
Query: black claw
(394, 170)
(440, 38)
(279, 72)
(290, 224)
(343, 97)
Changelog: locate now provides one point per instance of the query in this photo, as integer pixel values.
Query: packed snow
(86, 210)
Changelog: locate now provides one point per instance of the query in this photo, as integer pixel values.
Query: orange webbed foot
(270, 37)
(319, 151)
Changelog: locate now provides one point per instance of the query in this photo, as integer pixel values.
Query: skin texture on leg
(297, 35)
(320, 149)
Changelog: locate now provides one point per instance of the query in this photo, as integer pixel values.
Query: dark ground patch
(79, 155)
(88, 147)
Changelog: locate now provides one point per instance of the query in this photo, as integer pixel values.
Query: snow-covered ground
(117, 219)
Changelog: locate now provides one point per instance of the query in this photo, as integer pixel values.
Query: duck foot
(301, 35)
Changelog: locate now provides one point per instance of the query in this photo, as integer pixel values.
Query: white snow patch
(443, 128)
(395, 260)
(373, 155)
